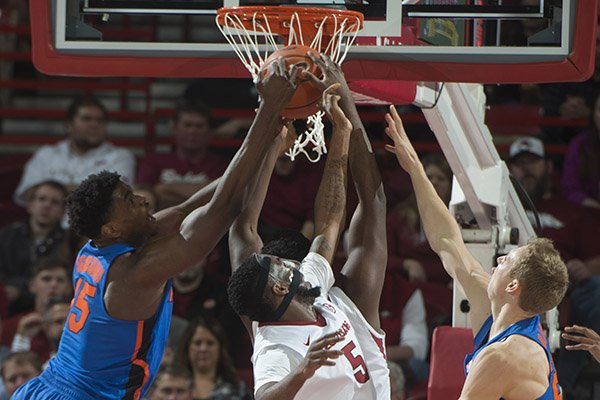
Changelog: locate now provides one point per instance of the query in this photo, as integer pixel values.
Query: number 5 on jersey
(83, 290)
(358, 363)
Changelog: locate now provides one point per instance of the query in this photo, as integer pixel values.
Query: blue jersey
(530, 328)
(101, 357)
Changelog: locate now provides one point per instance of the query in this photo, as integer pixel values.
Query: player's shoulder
(515, 353)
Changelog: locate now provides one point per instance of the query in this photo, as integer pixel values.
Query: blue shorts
(44, 388)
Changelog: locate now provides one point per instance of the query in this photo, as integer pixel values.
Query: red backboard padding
(449, 347)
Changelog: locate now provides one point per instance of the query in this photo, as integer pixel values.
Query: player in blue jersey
(511, 359)
(117, 327)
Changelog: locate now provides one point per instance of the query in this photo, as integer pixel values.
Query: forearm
(287, 388)
(330, 202)
(399, 353)
(438, 223)
(230, 191)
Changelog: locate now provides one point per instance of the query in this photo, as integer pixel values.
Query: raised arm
(330, 203)
(442, 231)
(243, 234)
(203, 227)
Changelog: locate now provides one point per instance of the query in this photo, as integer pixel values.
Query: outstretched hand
(402, 147)
(330, 105)
(332, 73)
(277, 86)
(586, 339)
(319, 354)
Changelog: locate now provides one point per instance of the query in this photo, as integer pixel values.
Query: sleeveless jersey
(360, 373)
(530, 328)
(101, 357)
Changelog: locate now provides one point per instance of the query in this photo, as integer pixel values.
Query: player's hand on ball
(320, 353)
(332, 73)
(278, 85)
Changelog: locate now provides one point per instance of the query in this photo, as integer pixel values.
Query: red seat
(449, 346)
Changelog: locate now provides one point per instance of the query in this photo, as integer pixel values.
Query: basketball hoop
(256, 32)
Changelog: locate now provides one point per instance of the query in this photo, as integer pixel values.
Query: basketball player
(511, 359)
(312, 340)
(115, 335)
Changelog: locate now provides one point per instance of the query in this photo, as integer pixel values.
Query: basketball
(304, 101)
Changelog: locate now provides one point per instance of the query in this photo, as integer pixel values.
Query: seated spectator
(50, 325)
(171, 383)
(408, 250)
(51, 278)
(17, 369)
(203, 350)
(176, 176)
(85, 151)
(23, 243)
(574, 232)
(398, 391)
(581, 169)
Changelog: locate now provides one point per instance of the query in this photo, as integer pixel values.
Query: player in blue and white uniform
(116, 331)
(511, 358)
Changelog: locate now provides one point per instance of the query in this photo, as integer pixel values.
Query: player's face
(501, 273)
(87, 129)
(192, 131)
(17, 374)
(283, 269)
(46, 206)
(172, 388)
(204, 350)
(131, 216)
(49, 283)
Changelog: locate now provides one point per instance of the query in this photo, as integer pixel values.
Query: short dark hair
(176, 371)
(48, 263)
(53, 184)
(20, 358)
(88, 206)
(86, 100)
(246, 291)
(288, 243)
(196, 107)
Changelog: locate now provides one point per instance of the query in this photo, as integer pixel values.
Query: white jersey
(279, 347)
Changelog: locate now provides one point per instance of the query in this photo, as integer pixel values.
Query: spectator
(50, 325)
(85, 151)
(408, 250)
(23, 243)
(172, 383)
(396, 381)
(573, 231)
(581, 170)
(17, 369)
(50, 279)
(203, 350)
(176, 176)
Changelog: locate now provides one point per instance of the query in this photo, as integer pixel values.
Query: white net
(253, 41)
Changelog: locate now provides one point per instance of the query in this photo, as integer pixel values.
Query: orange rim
(278, 17)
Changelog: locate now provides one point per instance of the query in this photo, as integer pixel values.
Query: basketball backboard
(445, 40)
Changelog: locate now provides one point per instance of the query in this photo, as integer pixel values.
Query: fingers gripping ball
(307, 95)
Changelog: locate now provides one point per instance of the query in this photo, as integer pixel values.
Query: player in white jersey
(313, 340)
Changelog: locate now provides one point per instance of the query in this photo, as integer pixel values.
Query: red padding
(393, 92)
(449, 347)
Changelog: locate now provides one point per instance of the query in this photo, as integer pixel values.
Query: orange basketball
(304, 101)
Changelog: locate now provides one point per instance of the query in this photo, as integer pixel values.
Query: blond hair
(542, 274)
